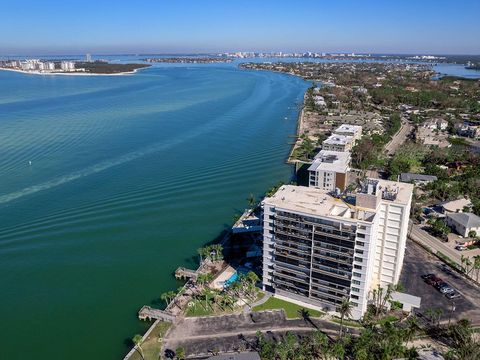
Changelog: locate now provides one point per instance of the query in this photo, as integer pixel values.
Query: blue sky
(168, 26)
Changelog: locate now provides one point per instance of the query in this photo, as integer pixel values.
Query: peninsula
(189, 60)
(69, 67)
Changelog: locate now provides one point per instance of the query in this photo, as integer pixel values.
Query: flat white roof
(316, 202)
(403, 190)
(404, 298)
(349, 128)
(335, 139)
(330, 161)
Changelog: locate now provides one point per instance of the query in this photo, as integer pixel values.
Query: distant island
(100, 67)
(69, 67)
(473, 67)
(189, 60)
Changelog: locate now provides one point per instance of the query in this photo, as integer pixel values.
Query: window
(355, 297)
(358, 259)
(355, 282)
(357, 267)
(360, 243)
(357, 274)
(354, 304)
(361, 236)
(359, 251)
(355, 289)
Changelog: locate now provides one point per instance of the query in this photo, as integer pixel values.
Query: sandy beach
(69, 73)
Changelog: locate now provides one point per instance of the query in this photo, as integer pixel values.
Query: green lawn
(152, 345)
(291, 310)
(389, 318)
(346, 322)
(199, 309)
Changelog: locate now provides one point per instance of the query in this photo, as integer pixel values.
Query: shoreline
(300, 120)
(71, 73)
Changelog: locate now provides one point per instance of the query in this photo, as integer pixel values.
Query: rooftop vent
(390, 193)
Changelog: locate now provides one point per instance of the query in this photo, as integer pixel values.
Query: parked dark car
(440, 284)
(433, 280)
(427, 276)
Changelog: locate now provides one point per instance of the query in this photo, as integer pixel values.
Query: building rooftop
(467, 220)
(319, 202)
(348, 128)
(330, 161)
(335, 139)
(316, 202)
(409, 177)
(391, 191)
(454, 205)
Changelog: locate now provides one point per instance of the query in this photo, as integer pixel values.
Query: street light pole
(451, 312)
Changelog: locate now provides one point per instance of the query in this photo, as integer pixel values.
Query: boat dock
(149, 313)
(184, 273)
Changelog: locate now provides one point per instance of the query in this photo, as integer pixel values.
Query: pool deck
(219, 282)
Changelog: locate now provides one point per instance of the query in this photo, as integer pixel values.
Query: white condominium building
(67, 65)
(354, 131)
(338, 143)
(329, 170)
(319, 250)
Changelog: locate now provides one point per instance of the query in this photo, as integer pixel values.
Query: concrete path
(247, 309)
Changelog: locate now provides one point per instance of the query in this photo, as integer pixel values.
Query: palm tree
(206, 294)
(251, 200)
(412, 328)
(217, 250)
(203, 279)
(164, 296)
(180, 353)
(345, 310)
(319, 342)
(476, 266)
(137, 340)
(252, 277)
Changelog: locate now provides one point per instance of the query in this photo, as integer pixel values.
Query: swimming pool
(231, 280)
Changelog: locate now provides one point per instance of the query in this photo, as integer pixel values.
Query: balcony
(331, 272)
(343, 291)
(322, 255)
(285, 245)
(303, 272)
(293, 256)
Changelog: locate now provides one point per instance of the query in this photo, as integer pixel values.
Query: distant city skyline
(409, 27)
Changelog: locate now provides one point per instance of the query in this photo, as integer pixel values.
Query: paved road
(421, 236)
(399, 138)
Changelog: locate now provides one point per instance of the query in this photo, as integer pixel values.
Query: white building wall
(365, 246)
(324, 180)
(268, 244)
(392, 236)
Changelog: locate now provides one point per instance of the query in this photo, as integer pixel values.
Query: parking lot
(419, 262)
(236, 332)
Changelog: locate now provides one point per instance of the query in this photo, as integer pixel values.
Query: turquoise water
(231, 280)
(129, 175)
